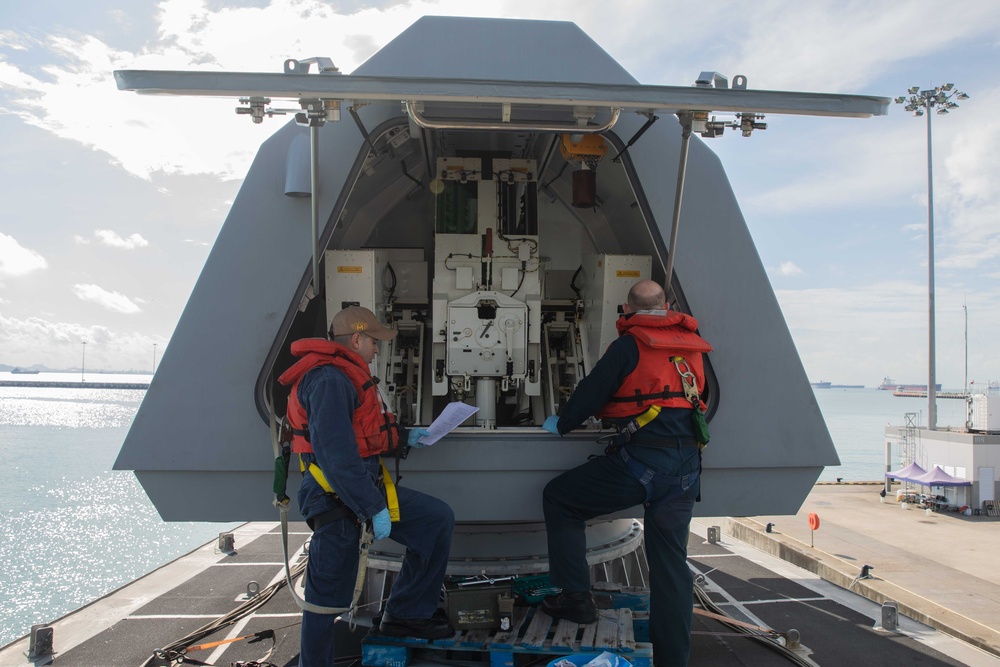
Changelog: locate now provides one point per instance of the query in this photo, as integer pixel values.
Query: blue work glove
(415, 434)
(382, 524)
(552, 424)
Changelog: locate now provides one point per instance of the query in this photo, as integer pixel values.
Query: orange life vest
(655, 380)
(375, 428)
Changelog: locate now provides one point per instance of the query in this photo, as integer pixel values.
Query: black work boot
(576, 607)
(435, 627)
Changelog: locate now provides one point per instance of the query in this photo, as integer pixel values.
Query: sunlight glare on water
(70, 408)
(72, 529)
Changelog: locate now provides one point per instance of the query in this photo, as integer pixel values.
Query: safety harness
(658, 335)
(375, 428)
(648, 477)
(626, 430)
(384, 479)
(282, 457)
(659, 339)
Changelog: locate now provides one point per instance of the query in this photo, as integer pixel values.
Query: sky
(111, 201)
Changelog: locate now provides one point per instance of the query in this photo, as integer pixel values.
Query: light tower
(922, 102)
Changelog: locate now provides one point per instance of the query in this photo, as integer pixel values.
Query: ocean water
(73, 530)
(857, 419)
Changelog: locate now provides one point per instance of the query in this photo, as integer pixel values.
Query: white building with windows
(970, 453)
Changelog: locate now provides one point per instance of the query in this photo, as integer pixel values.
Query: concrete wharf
(941, 568)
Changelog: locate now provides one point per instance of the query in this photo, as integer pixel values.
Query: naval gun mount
(498, 337)
(372, 190)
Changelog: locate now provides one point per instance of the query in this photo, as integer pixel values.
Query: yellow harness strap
(317, 475)
(648, 416)
(391, 498)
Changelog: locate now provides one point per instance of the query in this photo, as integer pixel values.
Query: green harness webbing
(691, 394)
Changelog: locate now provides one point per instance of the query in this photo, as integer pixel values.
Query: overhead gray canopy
(635, 97)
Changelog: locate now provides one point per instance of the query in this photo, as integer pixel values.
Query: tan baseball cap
(355, 319)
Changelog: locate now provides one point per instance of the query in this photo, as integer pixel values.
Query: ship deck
(836, 625)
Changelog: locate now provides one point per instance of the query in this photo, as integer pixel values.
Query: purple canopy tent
(909, 473)
(939, 477)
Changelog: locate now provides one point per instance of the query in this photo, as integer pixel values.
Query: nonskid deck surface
(125, 627)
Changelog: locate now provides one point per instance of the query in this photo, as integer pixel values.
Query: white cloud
(35, 340)
(879, 167)
(860, 335)
(834, 164)
(111, 238)
(146, 134)
(16, 260)
(77, 98)
(13, 40)
(781, 44)
(110, 300)
(842, 45)
(361, 46)
(967, 202)
(789, 269)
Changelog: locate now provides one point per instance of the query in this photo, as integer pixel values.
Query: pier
(923, 394)
(940, 568)
(74, 385)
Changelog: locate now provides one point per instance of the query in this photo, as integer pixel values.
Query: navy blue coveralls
(425, 526)
(604, 485)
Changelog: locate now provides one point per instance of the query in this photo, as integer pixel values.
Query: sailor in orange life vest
(653, 461)
(340, 423)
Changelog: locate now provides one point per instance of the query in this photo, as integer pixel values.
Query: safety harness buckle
(626, 430)
(687, 381)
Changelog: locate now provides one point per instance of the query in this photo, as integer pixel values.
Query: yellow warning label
(627, 274)
(349, 269)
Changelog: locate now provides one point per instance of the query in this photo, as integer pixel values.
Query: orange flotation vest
(375, 428)
(656, 380)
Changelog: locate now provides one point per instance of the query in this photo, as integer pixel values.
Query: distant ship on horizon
(823, 384)
(889, 385)
(23, 371)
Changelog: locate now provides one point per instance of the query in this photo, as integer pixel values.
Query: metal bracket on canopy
(570, 128)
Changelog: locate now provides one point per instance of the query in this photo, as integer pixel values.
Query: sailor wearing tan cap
(340, 427)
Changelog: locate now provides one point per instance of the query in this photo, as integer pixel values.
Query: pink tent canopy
(909, 473)
(939, 477)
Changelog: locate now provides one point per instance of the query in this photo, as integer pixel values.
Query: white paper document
(453, 414)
